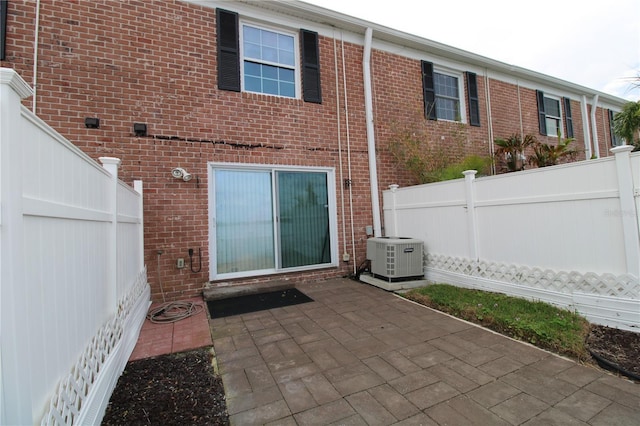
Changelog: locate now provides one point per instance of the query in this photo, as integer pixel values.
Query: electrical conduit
(371, 141)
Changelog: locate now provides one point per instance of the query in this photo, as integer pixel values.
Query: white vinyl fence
(74, 292)
(567, 235)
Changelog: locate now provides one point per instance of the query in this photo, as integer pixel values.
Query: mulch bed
(616, 350)
(175, 389)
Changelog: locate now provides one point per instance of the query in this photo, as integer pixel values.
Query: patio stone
(358, 355)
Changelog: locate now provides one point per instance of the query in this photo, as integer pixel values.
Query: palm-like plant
(626, 123)
(510, 153)
(549, 155)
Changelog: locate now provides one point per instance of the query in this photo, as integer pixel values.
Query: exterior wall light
(180, 173)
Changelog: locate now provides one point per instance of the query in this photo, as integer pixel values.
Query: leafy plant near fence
(414, 148)
(626, 123)
(539, 323)
(511, 154)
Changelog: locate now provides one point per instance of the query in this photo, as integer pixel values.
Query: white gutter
(594, 127)
(586, 128)
(371, 139)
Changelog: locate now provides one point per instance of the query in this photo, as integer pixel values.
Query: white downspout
(35, 57)
(585, 128)
(371, 140)
(594, 126)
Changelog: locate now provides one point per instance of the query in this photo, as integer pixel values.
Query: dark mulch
(175, 389)
(616, 349)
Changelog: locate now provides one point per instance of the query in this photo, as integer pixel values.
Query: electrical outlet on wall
(180, 263)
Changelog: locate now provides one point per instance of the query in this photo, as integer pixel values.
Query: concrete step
(214, 291)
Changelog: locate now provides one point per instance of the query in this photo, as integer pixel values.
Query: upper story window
(268, 61)
(551, 116)
(443, 95)
(447, 97)
(264, 60)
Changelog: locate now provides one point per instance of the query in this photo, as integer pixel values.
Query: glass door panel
(244, 221)
(303, 211)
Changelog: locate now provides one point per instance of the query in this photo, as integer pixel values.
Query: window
(447, 97)
(441, 91)
(615, 139)
(550, 115)
(265, 60)
(267, 220)
(269, 61)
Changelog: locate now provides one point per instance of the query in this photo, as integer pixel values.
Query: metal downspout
(371, 140)
(35, 58)
(594, 127)
(585, 128)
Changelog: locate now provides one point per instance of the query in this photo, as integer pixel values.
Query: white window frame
(332, 211)
(296, 46)
(462, 98)
(560, 118)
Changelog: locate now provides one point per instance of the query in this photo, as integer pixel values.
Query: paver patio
(360, 355)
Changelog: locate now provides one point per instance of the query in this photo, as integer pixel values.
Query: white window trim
(561, 118)
(462, 96)
(333, 218)
(296, 46)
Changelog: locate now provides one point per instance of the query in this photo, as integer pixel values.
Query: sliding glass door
(267, 220)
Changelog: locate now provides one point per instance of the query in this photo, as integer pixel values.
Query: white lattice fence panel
(72, 391)
(624, 286)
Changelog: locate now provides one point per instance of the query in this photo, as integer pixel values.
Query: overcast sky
(592, 43)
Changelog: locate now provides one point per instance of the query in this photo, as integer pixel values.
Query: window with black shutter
(542, 116)
(310, 67)
(472, 94)
(228, 50)
(615, 139)
(428, 90)
(568, 120)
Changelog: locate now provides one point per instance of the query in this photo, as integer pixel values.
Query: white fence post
(16, 405)
(628, 213)
(394, 213)
(111, 164)
(472, 219)
(137, 185)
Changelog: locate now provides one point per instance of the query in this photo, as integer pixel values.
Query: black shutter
(3, 28)
(568, 120)
(612, 133)
(310, 67)
(472, 94)
(542, 116)
(228, 50)
(428, 91)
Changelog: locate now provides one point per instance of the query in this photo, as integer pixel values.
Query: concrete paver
(358, 355)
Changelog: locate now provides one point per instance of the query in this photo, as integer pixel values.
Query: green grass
(538, 323)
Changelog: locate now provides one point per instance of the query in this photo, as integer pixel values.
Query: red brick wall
(155, 62)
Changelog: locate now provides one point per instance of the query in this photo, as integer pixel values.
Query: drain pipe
(594, 126)
(585, 128)
(35, 57)
(371, 140)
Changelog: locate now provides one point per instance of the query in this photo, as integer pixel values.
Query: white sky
(592, 43)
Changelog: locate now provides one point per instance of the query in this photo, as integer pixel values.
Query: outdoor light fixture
(92, 122)
(140, 129)
(180, 173)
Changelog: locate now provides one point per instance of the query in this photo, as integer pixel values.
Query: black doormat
(256, 302)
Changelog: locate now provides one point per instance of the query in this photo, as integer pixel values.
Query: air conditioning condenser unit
(395, 258)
